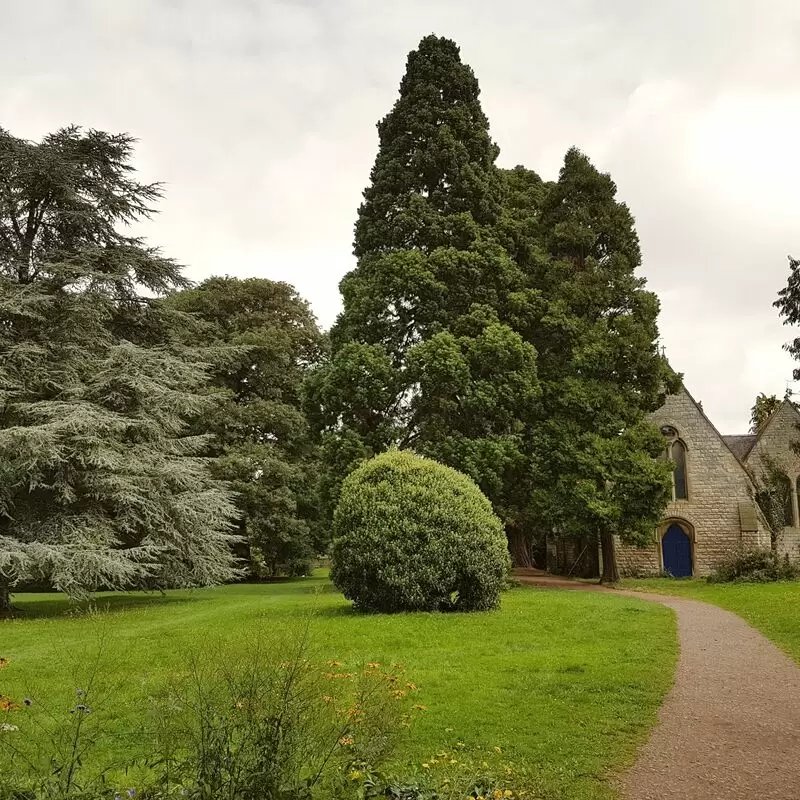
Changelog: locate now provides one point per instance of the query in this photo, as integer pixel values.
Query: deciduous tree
(261, 338)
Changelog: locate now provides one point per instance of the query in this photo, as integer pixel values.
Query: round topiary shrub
(410, 534)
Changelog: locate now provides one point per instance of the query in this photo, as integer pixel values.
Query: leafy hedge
(411, 534)
(754, 566)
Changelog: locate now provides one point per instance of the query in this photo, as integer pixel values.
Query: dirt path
(730, 727)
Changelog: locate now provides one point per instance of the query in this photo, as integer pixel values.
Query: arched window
(678, 455)
(675, 451)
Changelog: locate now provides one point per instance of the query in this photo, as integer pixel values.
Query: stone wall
(775, 443)
(717, 483)
(642, 561)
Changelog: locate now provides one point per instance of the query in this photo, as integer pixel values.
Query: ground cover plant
(773, 608)
(556, 688)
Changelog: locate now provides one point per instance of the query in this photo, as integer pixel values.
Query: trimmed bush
(411, 534)
(754, 566)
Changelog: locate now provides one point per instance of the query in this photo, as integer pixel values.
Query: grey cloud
(259, 116)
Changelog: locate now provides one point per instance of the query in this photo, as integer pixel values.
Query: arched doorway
(676, 550)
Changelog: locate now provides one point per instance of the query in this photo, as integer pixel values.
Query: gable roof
(741, 445)
(785, 405)
(737, 441)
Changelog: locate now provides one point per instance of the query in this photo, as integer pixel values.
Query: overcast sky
(260, 116)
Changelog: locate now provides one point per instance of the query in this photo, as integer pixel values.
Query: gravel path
(730, 727)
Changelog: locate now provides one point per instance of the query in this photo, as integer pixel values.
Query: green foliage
(772, 492)
(422, 354)
(788, 305)
(599, 367)
(101, 485)
(411, 534)
(754, 566)
(269, 725)
(764, 407)
(261, 339)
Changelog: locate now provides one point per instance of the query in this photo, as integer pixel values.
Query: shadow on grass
(42, 606)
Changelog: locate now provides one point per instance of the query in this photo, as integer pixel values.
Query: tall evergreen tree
(261, 338)
(422, 353)
(599, 366)
(99, 486)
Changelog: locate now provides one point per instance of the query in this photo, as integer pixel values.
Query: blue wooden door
(677, 550)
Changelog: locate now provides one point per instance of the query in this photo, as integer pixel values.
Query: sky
(259, 117)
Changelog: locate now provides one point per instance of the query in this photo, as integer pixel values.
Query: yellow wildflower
(355, 775)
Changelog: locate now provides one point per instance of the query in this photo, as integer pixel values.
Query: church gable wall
(717, 483)
(775, 444)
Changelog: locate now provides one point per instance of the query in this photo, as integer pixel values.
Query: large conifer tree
(600, 369)
(99, 486)
(422, 355)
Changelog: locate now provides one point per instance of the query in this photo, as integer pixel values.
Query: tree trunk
(609, 551)
(6, 609)
(518, 545)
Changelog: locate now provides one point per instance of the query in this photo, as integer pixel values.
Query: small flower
(7, 727)
(374, 665)
(411, 686)
(355, 775)
(27, 701)
(497, 749)
(79, 693)
(420, 708)
(326, 698)
(426, 765)
(334, 663)
(3, 662)
(346, 741)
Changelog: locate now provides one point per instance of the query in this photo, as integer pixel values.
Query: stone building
(712, 511)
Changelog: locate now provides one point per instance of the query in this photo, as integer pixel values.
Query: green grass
(566, 683)
(773, 608)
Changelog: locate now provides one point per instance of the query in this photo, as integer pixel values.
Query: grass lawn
(565, 683)
(773, 608)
